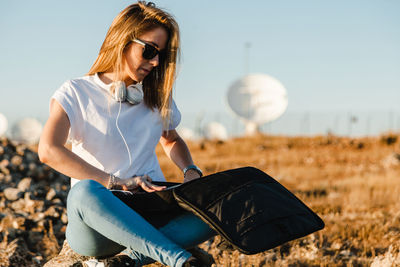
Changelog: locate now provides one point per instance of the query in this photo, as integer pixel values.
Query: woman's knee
(81, 191)
(91, 243)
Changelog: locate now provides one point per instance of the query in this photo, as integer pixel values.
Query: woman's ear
(127, 46)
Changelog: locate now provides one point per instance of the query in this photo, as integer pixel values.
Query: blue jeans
(100, 224)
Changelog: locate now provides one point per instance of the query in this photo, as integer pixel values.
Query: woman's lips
(145, 70)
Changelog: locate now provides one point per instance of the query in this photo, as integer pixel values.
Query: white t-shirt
(92, 113)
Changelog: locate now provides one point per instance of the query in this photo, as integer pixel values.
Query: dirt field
(353, 184)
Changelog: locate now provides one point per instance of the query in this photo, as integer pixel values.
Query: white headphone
(133, 94)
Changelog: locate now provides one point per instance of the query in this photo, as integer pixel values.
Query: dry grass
(353, 184)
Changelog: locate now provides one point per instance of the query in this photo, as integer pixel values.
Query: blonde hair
(130, 23)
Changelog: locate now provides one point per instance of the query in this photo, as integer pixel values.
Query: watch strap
(192, 167)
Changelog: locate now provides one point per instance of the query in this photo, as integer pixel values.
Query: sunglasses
(149, 51)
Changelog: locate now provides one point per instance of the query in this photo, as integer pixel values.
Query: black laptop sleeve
(247, 207)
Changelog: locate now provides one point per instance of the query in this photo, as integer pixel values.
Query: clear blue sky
(332, 56)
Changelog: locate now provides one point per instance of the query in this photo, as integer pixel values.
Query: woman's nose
(155, 61)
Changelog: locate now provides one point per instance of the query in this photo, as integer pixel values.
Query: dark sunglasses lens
(149, 52)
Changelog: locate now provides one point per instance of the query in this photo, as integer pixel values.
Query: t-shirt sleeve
(175, 118)
(67, 97)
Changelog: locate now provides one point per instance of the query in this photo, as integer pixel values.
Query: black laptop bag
(248, 208)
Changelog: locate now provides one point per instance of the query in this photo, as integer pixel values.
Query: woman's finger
(146, 187)
(157, 187)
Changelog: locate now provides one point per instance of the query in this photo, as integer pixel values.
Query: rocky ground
(32, 207)
(353, 184)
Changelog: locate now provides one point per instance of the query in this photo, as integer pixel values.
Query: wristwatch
(192, 167)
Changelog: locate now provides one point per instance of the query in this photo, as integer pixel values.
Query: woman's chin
(140, 76)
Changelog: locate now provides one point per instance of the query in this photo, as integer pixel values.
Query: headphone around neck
(133, 94)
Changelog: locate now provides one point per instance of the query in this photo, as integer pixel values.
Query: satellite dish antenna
(257, 99)
(3, 124)
(27, 131)
(215, 131)
(186, 133)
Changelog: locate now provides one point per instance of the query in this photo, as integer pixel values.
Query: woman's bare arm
(177, 150)
(53, 152)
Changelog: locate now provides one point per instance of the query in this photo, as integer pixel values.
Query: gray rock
(18, 204)
(6, 178)
(39, 216)
(22, 167)
(30, 157)
(20, 149)
(31, 205)
(32, 166)
(64, 218)
(5, 170)
(25, 184)
(52, 211)
(41, 174)
(57, 201)
(4, 163)
(12, 193)
(7, 154)
(66, 258)
(41, 223)
(51, 194)
(16, 160)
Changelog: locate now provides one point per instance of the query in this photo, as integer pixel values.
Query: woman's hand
(191, 175)
(139, 181)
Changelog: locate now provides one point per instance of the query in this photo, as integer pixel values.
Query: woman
(113, 142)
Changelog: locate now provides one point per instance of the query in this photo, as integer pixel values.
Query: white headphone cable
(126, 145)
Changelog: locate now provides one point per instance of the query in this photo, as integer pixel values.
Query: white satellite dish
(215, 131)
(186, 133)
(257, 99)
(3, 124)
(27, 131)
